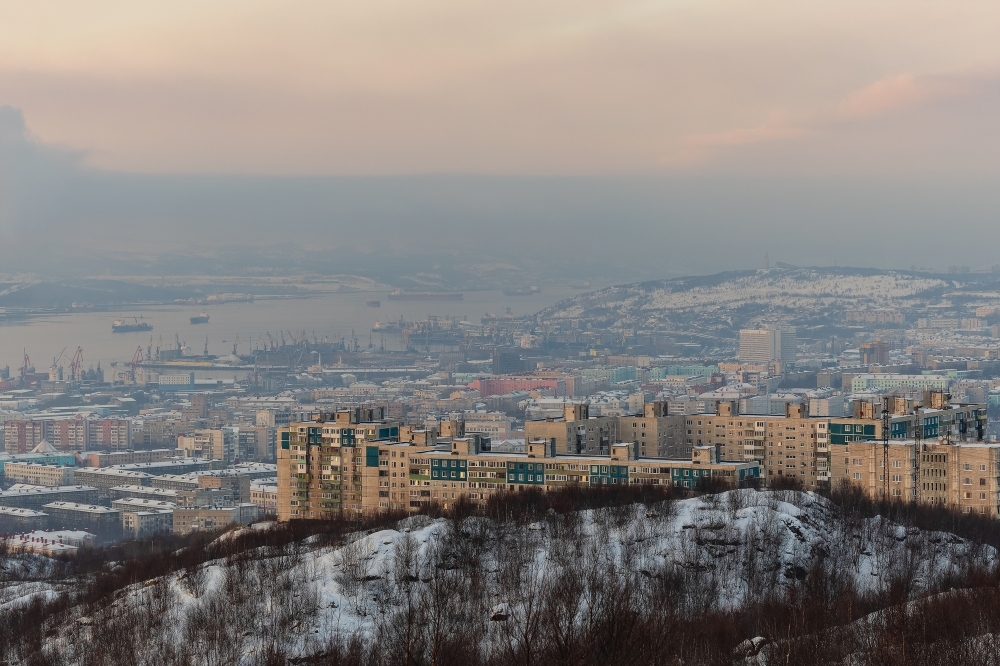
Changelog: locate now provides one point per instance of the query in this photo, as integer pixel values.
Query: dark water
(328, 316)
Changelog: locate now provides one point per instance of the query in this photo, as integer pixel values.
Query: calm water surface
(327, 316)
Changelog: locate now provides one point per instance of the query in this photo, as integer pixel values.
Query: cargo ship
(124, 327)
(400, 295)
(202, 318)
(373, 304)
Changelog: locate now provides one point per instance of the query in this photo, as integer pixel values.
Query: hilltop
(648, 583)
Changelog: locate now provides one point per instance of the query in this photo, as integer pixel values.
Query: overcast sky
(680, 116)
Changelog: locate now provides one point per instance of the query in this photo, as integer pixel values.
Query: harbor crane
(25, 367)
(75, 365)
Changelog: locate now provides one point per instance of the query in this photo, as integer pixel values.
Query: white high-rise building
(771, 343)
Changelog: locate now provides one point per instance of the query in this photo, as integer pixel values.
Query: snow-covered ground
(804, 290)
(722, 549)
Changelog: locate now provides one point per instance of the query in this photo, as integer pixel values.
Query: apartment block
(39, 474)
(962, 476)
(15, 520)
(101, 521)
(36, 498)
(320, 462)
(127, 457)
(106, 478)
(214, 444)
(577, 432)
(265, 496)
(320, 476)
(22, 436)
(141, 523)
(190, 520)
(655, 432)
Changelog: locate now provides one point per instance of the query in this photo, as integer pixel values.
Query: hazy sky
(628, 139)
(514, 87)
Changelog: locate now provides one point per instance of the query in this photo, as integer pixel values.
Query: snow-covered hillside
(491, 579)
(801, 289)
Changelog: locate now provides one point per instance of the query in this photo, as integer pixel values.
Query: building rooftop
(75, 506)
(16, 491)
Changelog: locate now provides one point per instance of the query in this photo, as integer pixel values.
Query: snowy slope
(722, 548)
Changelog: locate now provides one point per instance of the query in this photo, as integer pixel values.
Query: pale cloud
(449, 86)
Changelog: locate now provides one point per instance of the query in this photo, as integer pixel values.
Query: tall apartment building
(764, 345)
(22, 436)
(68, 434)
(874, 352)
(789, 445)
(320, 463)
(962, 476)
(255, 443)
(110, 434)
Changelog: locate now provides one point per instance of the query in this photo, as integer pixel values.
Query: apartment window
(967, 466)
(857, 476)
(896, 478)
(966, 481)
(982, 468)
(982, 482)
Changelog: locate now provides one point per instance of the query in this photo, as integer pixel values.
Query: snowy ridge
(719, 550)
(801, 288)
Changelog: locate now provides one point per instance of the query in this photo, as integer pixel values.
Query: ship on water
(130, 327)
(400, 295)
(202, 318)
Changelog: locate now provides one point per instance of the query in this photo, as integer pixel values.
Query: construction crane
(25, 366)
(75, 365)
(132, 374)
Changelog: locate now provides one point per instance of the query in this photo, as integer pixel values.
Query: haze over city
(191, 128)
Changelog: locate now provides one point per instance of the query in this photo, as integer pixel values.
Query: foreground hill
(641, 583)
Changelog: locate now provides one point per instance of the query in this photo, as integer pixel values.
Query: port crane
(75, 365)
(25, 367)
(132, 374)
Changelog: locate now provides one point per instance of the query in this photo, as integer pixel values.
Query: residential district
(902, 409)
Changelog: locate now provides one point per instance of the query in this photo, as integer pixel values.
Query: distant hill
(736, 296)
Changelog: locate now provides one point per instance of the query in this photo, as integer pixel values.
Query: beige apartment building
(963, 476)
(320, 463)
(38, 474)
(792, 445)
(657, 434)
(576, 433)
(210, 444)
